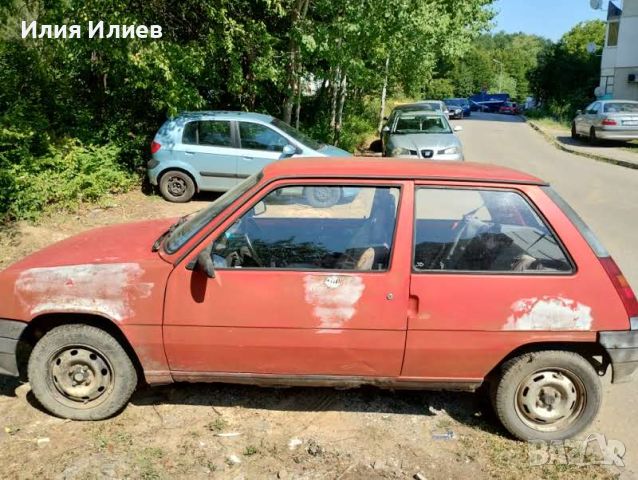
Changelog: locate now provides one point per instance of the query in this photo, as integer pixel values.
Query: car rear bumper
(615, 133)
(10, 332)
(622, 348)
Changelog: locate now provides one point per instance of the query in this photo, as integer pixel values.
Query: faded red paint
(391, 327)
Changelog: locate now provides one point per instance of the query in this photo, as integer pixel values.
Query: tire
(529, 385)
(177, 186)
(592, 136)
(322, 197)
(107, 372)
(574, 132)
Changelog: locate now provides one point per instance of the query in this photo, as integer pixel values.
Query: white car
(607, 119)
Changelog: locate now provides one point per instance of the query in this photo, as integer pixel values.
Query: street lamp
(500, 77)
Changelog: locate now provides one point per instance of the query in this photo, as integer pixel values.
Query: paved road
(605, 196)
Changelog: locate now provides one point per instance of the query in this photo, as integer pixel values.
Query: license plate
(630, 123)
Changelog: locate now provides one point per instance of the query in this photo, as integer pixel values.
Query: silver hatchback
(608, 120)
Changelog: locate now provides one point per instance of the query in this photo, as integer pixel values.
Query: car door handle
(189, 153)
(248, 158)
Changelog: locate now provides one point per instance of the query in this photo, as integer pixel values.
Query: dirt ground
(225, 431)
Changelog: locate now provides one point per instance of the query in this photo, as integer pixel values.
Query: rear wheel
(592, 136)
(177, 186)
(81, 372)
(574, 132)
(548, 395)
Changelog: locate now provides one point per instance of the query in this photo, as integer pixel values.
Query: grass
(217, 425)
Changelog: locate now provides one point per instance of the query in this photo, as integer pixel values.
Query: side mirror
(289, 150)
(259, 208)
(579, 112)
(458, 128)
(385, 119)
(203, 262)
(386, 129)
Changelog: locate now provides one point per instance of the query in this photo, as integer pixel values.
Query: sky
(548, 18)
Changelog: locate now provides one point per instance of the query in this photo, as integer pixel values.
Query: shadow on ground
(581, 142)
(471, 409)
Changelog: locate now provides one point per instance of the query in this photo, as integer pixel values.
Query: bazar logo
(593, 450)
(94, 30)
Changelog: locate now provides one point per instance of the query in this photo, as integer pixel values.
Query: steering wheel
(251, 250)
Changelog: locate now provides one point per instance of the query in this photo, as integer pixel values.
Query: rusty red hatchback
(407, 274)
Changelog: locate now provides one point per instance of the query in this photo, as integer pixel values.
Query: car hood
(109, 271)
(113, 244)
(332, 151)
(419, 141)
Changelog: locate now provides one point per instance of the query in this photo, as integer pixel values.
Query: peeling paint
(549, 313)
(101, 288)
(334, 298)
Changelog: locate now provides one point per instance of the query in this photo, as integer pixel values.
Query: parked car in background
(509, 108)
(214, 151)
(422, 134)
(456, 104)
(438, 275)
(406, 107)
(607, 119)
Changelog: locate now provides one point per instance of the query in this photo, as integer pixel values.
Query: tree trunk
(384, 92)
(336, 81)
(342, 100)
(298, 109)
(294, 70)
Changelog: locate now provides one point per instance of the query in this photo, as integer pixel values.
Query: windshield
(460, 102)
(296, 134)
(621, 107)
(184, 232)
(421, 122)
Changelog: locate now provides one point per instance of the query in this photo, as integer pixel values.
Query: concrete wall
(623, 89)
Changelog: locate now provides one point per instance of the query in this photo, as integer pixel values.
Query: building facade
(619, 64)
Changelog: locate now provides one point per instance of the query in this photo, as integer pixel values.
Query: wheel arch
(42, 324)
(195, 177)
(593, 352)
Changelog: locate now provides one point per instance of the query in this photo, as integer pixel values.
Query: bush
(65, 176)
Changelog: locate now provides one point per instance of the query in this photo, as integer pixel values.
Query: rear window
(621, 107)
(482, 230)
(208, 132)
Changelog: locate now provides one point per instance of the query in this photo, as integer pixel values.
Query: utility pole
(500, 77)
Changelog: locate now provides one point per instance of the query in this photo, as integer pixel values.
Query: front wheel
(574, 132)
(549, 395)
(81, 372)
(322, 197)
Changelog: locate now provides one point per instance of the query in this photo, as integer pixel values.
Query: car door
(298, 290)
(211, 148)
(260, 145)
(488, 276)
(591, 116)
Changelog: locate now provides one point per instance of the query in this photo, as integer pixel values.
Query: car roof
(396, 168)
(416, 105)
(618, 101)
(226, 115)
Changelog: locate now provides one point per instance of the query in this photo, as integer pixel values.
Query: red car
(432, 275)
(510, 108)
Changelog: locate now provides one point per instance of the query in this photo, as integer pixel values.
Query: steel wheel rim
(81, 376)
(323, 194)
(550, 399)
(176, 186)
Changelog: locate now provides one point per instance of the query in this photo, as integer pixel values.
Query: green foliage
(567, 74)
(77, 115)
(65, 176)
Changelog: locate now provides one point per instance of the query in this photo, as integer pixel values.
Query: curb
(551, 139)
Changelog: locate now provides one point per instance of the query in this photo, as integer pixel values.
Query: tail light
(609, 121)
(622, 286)
(155, 146)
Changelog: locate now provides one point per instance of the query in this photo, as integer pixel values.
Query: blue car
(458, 107)
(214, 151)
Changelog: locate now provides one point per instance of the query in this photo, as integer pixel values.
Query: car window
(208, 132)
(621, 107)
(484, 231)
(589, 107)
(595, 108)
(313, 228)
(255, 136)
(421, 122)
